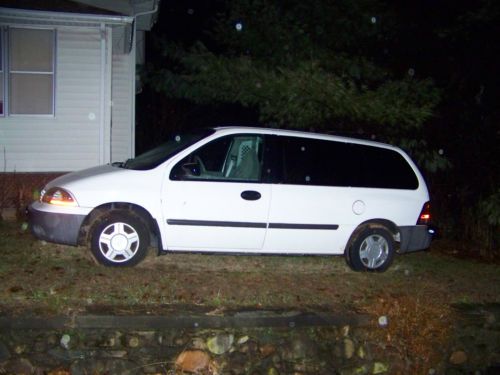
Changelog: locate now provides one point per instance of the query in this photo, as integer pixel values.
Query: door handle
(250, 195)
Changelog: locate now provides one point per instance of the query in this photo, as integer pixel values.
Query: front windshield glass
(176, 143)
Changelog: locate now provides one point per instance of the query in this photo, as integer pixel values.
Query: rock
(379, 368)
(383, 321)
(349, 348)
(133, 342)
(266, 350)
(249, 347)
(109, 342)
(361, 352)
(65, 340)
(180, 340)
(20, 349)
(198, 343)
(193, 361)
(242, 340)
(458, 357)
(345, 330)
(300, 348)
(220, 344)
(167, 338)
(148, 336)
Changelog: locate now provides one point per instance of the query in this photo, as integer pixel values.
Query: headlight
(59, 197)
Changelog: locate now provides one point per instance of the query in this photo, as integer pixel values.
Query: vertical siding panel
(122, 121)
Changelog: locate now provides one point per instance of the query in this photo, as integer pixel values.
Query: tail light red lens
(425, 214)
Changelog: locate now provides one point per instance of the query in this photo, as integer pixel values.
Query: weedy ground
(417, 292)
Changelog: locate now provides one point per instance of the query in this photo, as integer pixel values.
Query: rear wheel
(372, 250)
(120, 239)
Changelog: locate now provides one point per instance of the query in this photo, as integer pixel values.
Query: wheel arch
(104, 209)
(384, 224)
(371, 223)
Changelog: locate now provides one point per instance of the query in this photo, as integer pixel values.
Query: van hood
(88, 173)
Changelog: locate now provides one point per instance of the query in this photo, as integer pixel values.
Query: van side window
(330, 163)
(229, 158)
(384, 168)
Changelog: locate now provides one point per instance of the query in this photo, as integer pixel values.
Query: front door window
(230, 158)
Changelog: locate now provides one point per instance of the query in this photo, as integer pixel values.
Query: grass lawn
(44, 277)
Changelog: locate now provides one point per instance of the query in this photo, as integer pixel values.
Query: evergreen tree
(316, 66)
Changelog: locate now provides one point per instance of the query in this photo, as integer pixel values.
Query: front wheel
(372, 250)
(119, 240)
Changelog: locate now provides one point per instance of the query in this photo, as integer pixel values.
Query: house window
(31, 71)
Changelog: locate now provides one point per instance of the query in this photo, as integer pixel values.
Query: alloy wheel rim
(374, 251)
(119, 242)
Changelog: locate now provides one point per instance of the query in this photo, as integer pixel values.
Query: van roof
(300, 133)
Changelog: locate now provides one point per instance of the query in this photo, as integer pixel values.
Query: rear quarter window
(331, 163)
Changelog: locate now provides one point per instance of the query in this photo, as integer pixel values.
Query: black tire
(372, 250)
(119, 239)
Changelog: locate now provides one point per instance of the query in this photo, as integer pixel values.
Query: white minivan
(244, 190)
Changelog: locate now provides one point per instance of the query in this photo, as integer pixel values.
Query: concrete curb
(252, 319)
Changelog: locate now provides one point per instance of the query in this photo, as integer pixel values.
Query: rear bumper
(54, 226)
(414, 238)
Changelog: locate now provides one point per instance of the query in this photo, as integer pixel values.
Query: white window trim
(6, 71)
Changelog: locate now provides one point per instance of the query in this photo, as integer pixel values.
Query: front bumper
(414, 238)
(54, 226)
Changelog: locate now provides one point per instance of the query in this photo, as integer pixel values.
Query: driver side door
(214, 198)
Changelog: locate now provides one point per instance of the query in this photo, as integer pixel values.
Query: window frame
(7, 72)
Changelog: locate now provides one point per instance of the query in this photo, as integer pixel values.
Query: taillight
(425, 214)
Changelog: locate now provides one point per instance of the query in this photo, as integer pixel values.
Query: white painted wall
(79, 135)
(70, 139)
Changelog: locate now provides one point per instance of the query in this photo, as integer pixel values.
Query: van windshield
(175, 144)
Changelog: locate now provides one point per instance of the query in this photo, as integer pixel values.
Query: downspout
(102, 124)
(132, 90)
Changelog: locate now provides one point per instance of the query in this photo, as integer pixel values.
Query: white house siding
(123, 96)
(70, 139)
